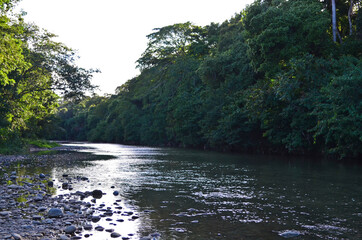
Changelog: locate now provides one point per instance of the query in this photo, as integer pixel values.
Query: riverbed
(166, 193)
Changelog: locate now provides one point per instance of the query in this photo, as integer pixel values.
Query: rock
(88, 227)
(63, 237)
(5, 213)
(110, 230)
(155, 235)
(65, 185)
(36, 217)
(76, 237)
(70, 229)
(95, 219)
(42, 209)
(48, 221)
(115, 193)
(16, 236)
(99, 228)
(38, 198)
(42, 175)
(97, 194)
(55, 213)
(115, 235)
(50, 184)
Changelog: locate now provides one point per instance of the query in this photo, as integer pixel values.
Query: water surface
(186, 194)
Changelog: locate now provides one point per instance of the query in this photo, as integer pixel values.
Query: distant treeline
(269, 80)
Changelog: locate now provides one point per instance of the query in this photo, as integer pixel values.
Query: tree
(34, 70)
(170, 42)
(281, 30)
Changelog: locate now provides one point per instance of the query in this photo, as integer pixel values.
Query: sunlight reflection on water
(184, 194)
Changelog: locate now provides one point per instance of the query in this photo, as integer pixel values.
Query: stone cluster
(29, 210)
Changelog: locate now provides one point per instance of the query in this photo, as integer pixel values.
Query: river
(189, 194)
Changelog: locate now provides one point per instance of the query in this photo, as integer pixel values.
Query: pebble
(70, 229)
(115, 235)
(51, 217)
(97, 194)
(99, 228)
(16, 236)
(55, 213)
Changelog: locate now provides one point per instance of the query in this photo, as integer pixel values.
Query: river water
(187, 194)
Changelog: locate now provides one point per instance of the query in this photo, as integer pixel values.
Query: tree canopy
(35, 71)
(270, 80)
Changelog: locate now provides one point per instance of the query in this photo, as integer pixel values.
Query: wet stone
(95, 219)
(88, 227)
(99, 228)
(115, 235)
(97, 194)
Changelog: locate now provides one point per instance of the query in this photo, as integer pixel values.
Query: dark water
(183, 194)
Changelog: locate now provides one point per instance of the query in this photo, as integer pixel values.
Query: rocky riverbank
(29, 209)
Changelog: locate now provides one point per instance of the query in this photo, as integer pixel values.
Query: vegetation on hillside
(272, 79)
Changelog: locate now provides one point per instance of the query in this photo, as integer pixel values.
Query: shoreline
(29, 209)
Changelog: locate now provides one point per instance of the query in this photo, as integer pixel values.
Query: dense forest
(36, 73)
(279, 77)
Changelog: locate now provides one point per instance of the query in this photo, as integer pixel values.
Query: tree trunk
(349, 18)
(334, 21)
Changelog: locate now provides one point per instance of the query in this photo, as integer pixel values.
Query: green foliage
(34, 71)
(339, 111)
(281, 30)
(270, 79)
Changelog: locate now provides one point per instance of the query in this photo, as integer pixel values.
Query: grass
(21, 146)
(41, 143)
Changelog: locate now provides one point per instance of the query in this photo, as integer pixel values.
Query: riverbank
(29, 208)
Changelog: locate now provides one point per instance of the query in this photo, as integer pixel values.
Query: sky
(110, 35)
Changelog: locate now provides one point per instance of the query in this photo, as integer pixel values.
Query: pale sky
(111, 34)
